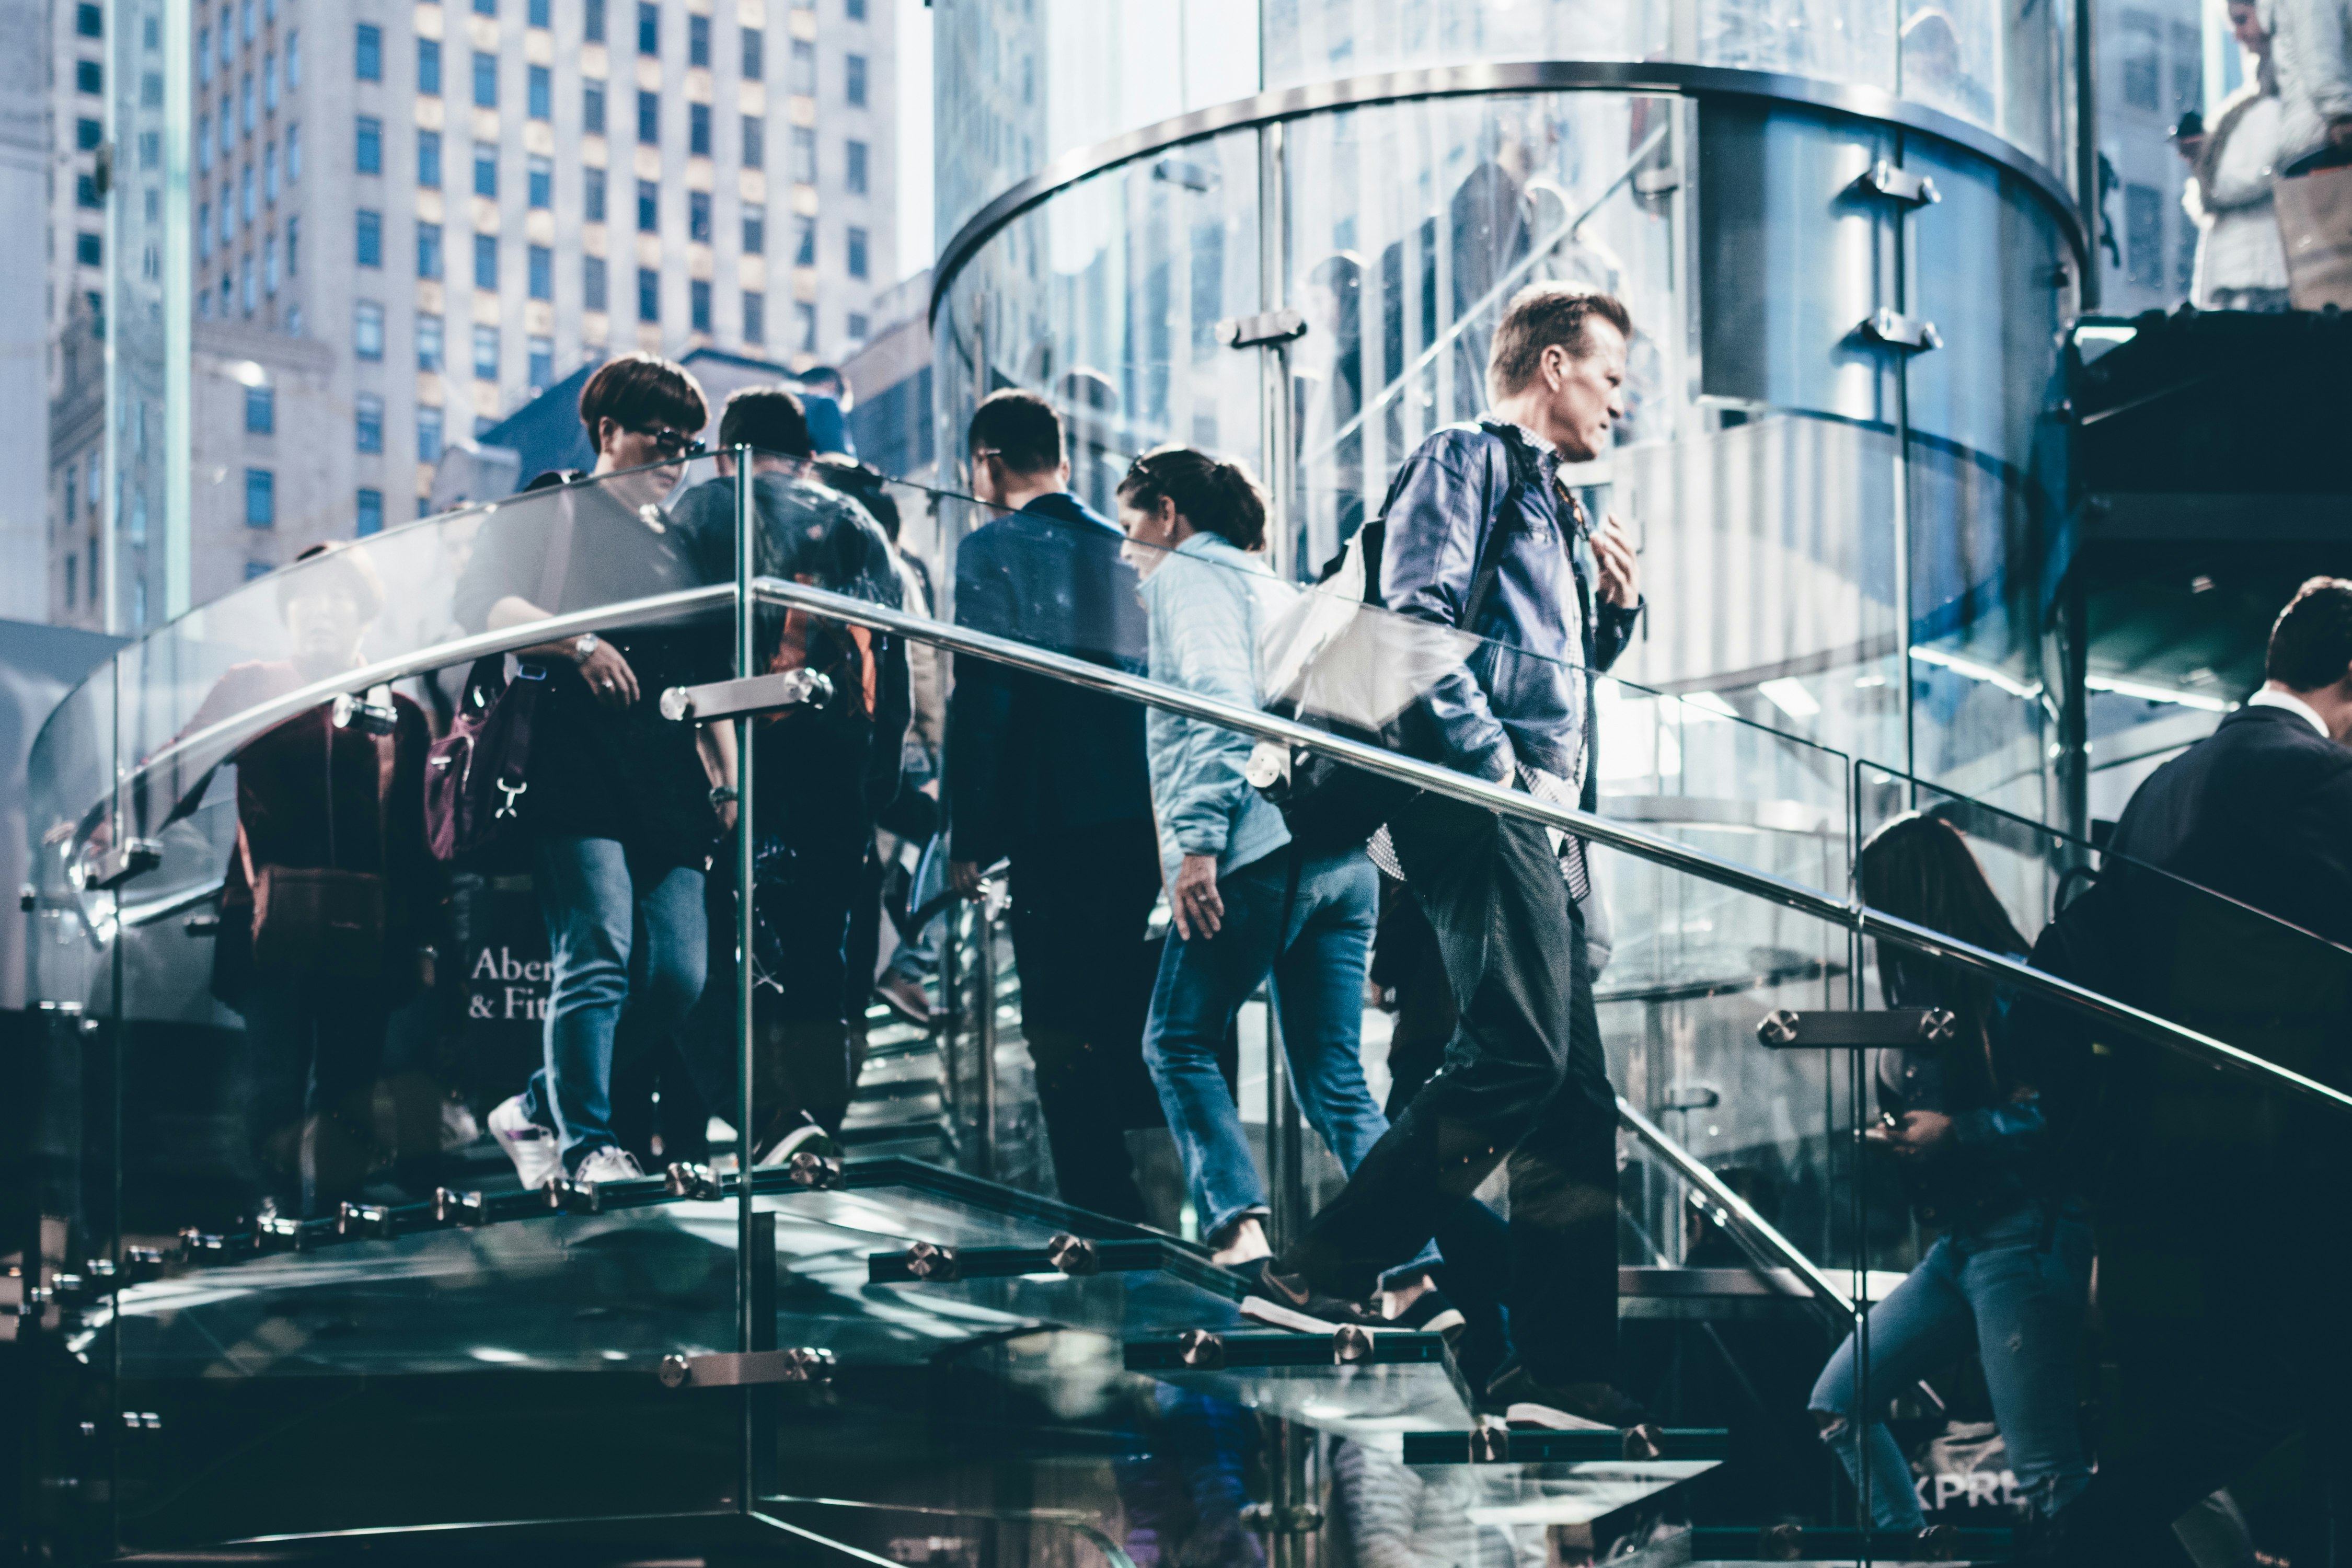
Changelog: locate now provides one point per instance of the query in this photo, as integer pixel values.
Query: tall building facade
(2151, 62)
(406, 220)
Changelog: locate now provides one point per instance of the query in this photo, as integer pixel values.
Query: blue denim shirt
(1204, 601)
(1522, 696)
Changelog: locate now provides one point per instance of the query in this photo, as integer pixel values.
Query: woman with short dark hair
(620, 805)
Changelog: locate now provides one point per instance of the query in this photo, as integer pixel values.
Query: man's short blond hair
(1539, 316)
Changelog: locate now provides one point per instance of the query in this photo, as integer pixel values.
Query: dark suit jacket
(1028, 757)
(2260, 811)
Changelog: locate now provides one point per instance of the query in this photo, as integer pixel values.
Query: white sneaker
(532, 1148)
(807, 1136)
(606, 1163)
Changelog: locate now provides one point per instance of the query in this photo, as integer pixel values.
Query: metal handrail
(1734, 1212)
(1849, 914)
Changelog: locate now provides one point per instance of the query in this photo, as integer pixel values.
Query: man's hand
(1613, 553)
(609, 679)
(963, 876)
(727, 812)
(1194, 901)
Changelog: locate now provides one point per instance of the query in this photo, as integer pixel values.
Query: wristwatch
(722, 794)
(585, 648)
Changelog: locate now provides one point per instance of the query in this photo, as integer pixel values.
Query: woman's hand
(609, 679)
(1193, 901)
(1920, 1133)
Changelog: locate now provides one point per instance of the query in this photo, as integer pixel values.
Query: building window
(856, 327)
(88, 78)
(90, 20)
(294, 246)
(88, 251)
(697, 130)
(293, 153)
(803, 169)
(755, 229)
(371, 518)
(73, 561)
(203, 231)
(260, 503)
(592, 21)
(369, 144)
(592, 282)
(89, 134)
(367, 413)
(538, 93)
(804, 242)
(697, 217)
(857, 253)
(428, 159)
(269, 170)
(260, 414)
(486, 168)
(541, 353)
(755, 142)
(648, 207)
(755, 318)
(367, 60)
(648, 28)
(2141, 36)
(853, 85)
(592, 195)
(648, 294)
(485, 262)
(649, 117)
(270, 267)
(428, 435)
(854, 9)
(428, 250)
(853, 170)
(86, 191)
(485, 80)
(592, 108)
(535, 14)
(539, 177)
(294, 58)
(367, 330)
(269, 84)
(429, 66)
(429, 342)
(805, 315)
(540, 265)
(486, 352)
(753, 62)
(698, 296)
(370, 238)
(800, 75)
(698, 42)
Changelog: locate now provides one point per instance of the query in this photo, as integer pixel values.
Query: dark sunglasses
(672, 443)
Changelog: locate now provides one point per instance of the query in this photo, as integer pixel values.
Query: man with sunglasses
(621, 805)
(1053, 779)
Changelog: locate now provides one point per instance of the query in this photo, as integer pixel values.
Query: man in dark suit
(1052, 778)
(2223, 1267)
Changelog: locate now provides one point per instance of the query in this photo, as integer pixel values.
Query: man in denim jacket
(1483, 537)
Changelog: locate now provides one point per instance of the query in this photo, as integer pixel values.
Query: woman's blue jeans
(629, 950)
(2012, 1288)
(1318, 958)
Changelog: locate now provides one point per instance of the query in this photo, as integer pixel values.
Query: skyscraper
(407, 221)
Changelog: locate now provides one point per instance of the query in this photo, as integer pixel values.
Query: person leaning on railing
(620, 806)
(2010, 1273)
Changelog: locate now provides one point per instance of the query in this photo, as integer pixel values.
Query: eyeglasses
(672, 443)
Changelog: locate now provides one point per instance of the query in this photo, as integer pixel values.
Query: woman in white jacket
(2241, 264)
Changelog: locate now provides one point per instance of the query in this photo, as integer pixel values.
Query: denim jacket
(1523, 695)
(1204, 601)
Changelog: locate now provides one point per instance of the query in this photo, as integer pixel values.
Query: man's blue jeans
(629, 949)
(1317, 959)
(2011, 1289)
